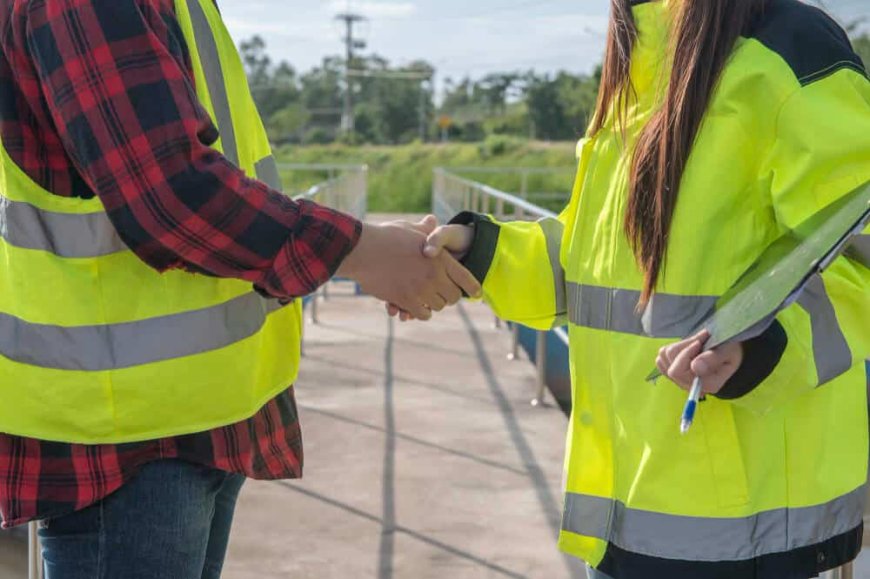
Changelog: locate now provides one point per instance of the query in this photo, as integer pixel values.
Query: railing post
(515, 346)
(845, 572)
(34, 554)
(541, 366)
(314, 317)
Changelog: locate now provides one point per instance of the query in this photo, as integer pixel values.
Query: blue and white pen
(691, 406)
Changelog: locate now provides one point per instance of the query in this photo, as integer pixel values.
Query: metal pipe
(847, 571)
(314, 317)
(541, 366)
(515, 347)
(34, 557)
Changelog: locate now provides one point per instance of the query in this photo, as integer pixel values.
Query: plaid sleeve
(117, 81)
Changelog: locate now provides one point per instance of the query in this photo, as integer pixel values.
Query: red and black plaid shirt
(97, 98)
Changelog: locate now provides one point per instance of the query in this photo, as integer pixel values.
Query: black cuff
(479, 258)
(761, 355)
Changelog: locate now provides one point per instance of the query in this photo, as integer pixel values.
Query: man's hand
(388, 263)
(455, 239)
(683, 361)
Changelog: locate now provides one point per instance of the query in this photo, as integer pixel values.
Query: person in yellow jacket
(720, 125)
(151, 282)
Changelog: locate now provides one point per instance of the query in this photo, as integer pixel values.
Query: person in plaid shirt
(163, 508)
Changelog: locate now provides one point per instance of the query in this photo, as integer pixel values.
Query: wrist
(354, 263)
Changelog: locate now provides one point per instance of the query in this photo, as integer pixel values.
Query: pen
(691, 406)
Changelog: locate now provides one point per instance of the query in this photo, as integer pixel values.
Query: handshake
(413, 267)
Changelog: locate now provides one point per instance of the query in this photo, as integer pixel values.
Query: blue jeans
(172, 521)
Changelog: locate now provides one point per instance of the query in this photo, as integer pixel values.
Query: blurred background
(489, 83)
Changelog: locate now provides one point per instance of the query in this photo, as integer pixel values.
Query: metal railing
(346, 191)
(452, 194)
(522, 178)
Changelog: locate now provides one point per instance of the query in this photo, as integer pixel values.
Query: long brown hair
(704, 35)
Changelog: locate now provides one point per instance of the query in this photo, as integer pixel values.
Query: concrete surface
(424, 458)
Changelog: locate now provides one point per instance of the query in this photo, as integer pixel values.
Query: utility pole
(350, 44)
(422, 117)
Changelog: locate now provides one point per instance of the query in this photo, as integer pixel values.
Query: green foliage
(400, 177)
(499, 145)
(861, 44)
(393, 106)
(561, 107)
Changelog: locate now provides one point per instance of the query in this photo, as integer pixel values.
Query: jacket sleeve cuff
(479, 258)
(761, 355)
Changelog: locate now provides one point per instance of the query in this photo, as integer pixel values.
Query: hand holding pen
(697, 371)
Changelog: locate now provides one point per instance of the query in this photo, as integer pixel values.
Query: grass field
(400, 178)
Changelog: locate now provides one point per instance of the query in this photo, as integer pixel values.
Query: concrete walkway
(424, 458)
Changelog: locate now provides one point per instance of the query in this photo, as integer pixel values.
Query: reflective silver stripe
(553, 231)
(214, 78)
(71, 235)
(63, 234)
(859, 250)
(711, 539)
(112, 347)
(615, 309)
(267, 172)
(830, 348)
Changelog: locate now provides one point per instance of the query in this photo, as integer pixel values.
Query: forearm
(519, 267)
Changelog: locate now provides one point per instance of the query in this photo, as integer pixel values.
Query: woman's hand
(456, 239)
(683, 361)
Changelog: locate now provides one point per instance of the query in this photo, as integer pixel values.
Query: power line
(391, 74)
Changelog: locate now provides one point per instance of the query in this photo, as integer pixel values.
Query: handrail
(452, 194)
(515, 170)
(493, 193)
(348, 192)
(319, 166)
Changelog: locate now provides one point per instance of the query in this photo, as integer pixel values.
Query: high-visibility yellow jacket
(767, 485)
(95, 346)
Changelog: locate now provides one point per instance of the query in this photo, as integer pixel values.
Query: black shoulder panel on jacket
(809, 41)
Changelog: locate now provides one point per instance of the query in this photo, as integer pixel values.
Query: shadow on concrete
(455, 551)
(388, 519)
(548, 502)
(402, 379)
(428, 346)
(417, 441)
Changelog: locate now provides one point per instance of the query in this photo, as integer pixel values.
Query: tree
(861, 43)
(257, 63)
(391, 104)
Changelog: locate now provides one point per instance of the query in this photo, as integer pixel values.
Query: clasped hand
(414, 268)
(395, 262)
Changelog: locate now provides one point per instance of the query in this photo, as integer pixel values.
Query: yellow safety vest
(95, 346)
(784, 468)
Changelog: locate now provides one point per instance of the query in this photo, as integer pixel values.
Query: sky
(460, 37)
